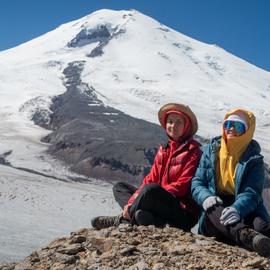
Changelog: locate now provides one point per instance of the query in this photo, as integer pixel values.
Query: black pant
(229, 233)
(156, 200)
(122, 192)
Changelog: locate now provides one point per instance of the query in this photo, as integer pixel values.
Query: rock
(139, 266)
(127, 251)
(78, 239)
(159, 266)
(34, 257)
(138, 248)
(67, 259)
(24, 265)
(71, 249)
(101, 244)
(257, 262)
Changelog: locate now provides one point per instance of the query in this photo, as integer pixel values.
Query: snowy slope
(135, 65)
(35, 210)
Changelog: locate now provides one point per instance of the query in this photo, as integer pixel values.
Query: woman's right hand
(210, 202)
(126, 212)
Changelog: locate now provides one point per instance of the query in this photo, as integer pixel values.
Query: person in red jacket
(164, 197)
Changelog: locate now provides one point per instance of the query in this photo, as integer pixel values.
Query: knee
(118, 187)
(261, 226)
(151, 189)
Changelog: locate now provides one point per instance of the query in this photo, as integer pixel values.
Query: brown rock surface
(138, 248)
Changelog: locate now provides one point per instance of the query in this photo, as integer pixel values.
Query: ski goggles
(238, 126)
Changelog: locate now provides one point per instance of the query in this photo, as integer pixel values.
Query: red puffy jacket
(173, 169)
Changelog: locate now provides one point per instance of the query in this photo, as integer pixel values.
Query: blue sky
(241, 27)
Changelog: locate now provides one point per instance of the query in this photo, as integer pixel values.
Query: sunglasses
(238, 126)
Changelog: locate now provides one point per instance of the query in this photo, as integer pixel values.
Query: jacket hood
(182, 108)
(249, 117)
(240, 143)
(252, 149)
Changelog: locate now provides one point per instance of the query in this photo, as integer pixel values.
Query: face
(175, 126)
(233, 129)
(231, 133)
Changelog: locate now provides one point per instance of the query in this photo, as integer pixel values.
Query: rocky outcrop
(101, 34)
(94, 139)
(138, 248)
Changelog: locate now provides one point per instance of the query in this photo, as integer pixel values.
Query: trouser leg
(156, 200)
(258, 224)
(256, 236)
(231, 233)
(122, 192)
(213, 227)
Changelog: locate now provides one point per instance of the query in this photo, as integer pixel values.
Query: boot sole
(98, 224)
(261, 244)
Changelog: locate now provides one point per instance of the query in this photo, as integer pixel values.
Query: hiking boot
(106, 221)
(261, 245)
(255, 241)
(146, 218)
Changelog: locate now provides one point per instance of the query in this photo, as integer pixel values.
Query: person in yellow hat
(164, 197)
(228, 185)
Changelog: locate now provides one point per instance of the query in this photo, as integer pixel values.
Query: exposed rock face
(138, 248)
(102, 35)
(97, 140)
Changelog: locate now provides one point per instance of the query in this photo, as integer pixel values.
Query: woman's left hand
(229, 216)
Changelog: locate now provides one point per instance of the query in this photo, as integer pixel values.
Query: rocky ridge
(138, 248)
(93, 139)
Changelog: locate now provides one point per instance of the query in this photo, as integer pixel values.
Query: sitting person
(228, 185)
(164, 197)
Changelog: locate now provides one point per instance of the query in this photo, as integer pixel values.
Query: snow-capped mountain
(134, 64)
(96, 82)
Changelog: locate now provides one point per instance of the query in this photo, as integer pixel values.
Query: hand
(126, 212)
(210, 202)
(229, 216)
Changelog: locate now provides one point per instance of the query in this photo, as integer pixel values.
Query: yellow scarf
(230, 153)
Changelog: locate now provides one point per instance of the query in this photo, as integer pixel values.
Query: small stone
(71, 249)
(125, 228)
(24, 265)
(66, 259)
(157, 236)
(176, 259)
(139, 266)
(128, 251)
(102, 244)
(77, 239)
(202, 242)
(159, 266)
(256, 262)
(135, 242)
(34, 257)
